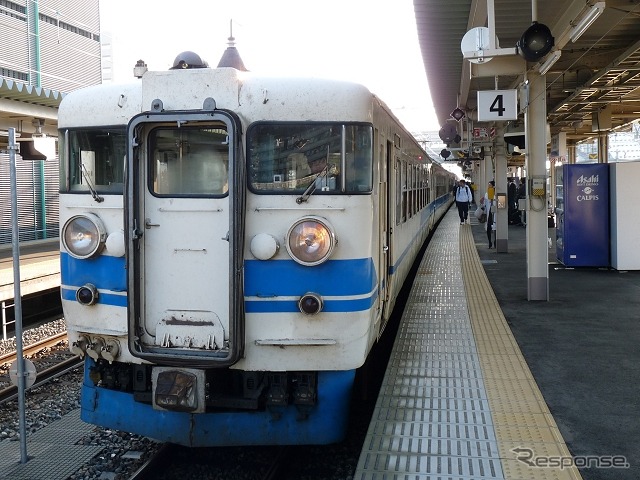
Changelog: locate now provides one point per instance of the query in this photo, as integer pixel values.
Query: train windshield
(96, 159)
(289, 157)
(189, 161)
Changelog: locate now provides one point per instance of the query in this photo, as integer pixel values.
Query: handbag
(480, 214)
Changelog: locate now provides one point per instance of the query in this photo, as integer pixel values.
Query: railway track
(163, 462)
(45, 375)
(34, 348)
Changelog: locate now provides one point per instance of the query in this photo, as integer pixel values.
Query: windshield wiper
(94, 194)
(312, 187)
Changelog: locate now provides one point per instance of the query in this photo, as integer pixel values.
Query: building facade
(49, 48)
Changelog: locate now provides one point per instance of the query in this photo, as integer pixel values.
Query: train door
(184, 252)
(386, 168)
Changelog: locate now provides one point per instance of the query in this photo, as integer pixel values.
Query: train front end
(188, 278)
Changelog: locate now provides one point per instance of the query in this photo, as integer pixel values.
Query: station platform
(39, 268)
(482, 383)
(54, 452)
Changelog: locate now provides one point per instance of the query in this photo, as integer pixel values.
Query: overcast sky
(370, 42)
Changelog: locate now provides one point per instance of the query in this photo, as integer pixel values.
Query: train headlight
(311, 240)
(87, 294)
(310, 303)
(83, 236)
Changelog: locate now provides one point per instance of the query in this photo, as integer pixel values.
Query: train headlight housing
(87, 294)
(310, 303)
(83, 236)
(311, 240)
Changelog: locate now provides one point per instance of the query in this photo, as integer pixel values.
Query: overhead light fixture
(586, 20)
(549, 62)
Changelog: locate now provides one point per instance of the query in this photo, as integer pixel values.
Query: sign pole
(15, 238)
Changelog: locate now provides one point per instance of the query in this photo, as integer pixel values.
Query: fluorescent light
(585, 22)
(548, 63)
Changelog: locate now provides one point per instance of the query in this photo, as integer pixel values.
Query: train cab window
(96, 160)
(188, 161)
(291, 157)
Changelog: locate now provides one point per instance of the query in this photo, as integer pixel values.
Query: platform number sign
(497, 105)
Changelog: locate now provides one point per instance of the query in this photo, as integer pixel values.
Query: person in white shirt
(463, 199)
(486, 203)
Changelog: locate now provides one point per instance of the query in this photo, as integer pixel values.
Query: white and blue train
(232, 246)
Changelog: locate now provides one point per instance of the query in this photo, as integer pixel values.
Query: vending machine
(582, 215)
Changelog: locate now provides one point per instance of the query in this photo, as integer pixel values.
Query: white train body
(232, 247)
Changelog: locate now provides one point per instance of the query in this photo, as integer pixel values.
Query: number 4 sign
(497, 105)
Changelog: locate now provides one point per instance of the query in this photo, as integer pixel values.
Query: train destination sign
(497, 105)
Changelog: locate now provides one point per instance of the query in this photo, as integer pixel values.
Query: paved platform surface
(583, 348)
(53, 452)
(39, 268)
(458, 401)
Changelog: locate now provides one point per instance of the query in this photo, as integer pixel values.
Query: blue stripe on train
(335, 278)
(279, 278)
(103, 271)
(291, 306)
(104, 298)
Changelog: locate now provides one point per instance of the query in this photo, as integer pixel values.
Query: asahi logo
(582, 180)
(585, 184)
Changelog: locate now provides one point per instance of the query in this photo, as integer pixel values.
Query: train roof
(108, 104)
(251, 95)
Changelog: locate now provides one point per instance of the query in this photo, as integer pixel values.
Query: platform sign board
(497, 105)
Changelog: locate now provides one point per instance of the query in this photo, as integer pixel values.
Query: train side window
(398, 173)
(359, 155)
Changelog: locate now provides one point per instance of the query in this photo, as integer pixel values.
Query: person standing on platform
(487, 203)
(463, 199)
(512, 200)
(522, 194)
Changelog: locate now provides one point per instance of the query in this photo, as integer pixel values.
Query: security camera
(477, 149)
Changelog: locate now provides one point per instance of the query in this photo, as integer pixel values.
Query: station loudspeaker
(535, 42)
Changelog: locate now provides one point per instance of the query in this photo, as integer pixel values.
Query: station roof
(29, 94)
(21, 104)
(602, 67)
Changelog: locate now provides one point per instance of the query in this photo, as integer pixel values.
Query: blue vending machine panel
(582, 237)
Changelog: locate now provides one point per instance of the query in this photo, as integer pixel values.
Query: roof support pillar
(537, 224)
(502, 212)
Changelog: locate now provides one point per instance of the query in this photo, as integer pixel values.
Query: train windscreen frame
(288, 157)
(95, 160)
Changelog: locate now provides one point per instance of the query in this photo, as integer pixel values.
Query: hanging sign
(497, 105)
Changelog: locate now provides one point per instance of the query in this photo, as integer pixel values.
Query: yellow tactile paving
(524, 419)
(517, 470)
(497, 344)
(529, 442)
